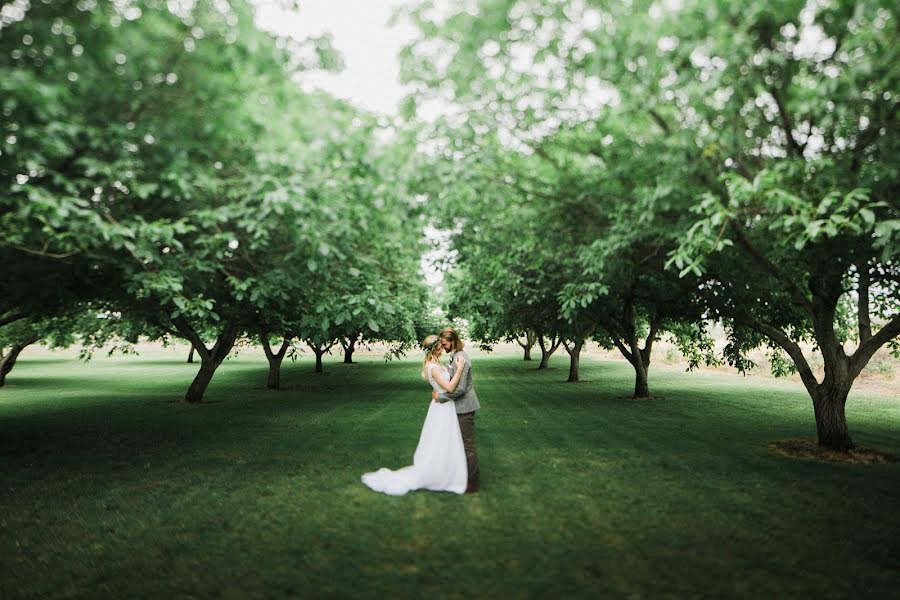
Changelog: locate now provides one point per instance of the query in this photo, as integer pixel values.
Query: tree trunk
(201, 381)
(641, 387)
(8, 361)
(639, 360)
(829, 403)
(6, 364)
(210, 359)
(319, 360)
(545, 357)
(191, 356)
(546, 352)
(275, 359)
(528, 344)
(574, 359)
(274, 380)
(348, 352)
(830, 396)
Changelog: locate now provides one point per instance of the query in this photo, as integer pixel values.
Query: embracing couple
(445, 459)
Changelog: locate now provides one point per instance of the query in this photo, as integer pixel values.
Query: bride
(439, 463)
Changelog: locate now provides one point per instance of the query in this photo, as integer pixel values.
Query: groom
(466, 402)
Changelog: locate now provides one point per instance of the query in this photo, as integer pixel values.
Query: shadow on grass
(33, 384)
(98, 421)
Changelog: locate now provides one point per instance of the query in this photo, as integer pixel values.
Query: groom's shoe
(472, 487)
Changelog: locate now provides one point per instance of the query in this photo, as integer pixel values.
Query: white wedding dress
(439, 463)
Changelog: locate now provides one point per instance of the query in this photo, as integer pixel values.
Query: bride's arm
(450, 385)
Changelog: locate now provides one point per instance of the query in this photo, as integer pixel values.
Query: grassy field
(111, 489)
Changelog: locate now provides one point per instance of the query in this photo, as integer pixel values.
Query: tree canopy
(141, 149)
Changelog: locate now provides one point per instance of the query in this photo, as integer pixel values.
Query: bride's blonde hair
(430, 344)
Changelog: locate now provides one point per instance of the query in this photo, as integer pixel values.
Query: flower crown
(433, 345)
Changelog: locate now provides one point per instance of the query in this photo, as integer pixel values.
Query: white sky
(370, 78)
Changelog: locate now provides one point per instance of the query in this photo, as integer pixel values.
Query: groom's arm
(460, 390)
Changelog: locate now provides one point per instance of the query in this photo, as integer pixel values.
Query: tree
(143, 164)
(61, 328)
(502, 272)
(808, 216)
(644, 191)
(817, 266)
(605, 195)
(275, 357)
(43, 295)
(805, 210)
(528, 344)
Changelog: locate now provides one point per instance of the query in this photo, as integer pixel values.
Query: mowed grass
(111, 489)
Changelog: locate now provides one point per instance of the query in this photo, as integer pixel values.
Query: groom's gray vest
(464, 394)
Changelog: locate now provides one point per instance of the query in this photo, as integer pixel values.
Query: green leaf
(867, 215)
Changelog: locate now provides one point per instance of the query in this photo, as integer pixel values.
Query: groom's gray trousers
(467, 428)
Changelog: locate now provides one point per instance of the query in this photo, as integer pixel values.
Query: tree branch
(786, 123)
(621, 346)
(547, 196)
(781, 338)
(187, 332)
(267, 349)
(7, 319)
(539, 150)
(865, 320)
(655, 324)
(224, 342)
(284, 346)
(868, 137)
(42, 253)
(657, 118)
(860, 358)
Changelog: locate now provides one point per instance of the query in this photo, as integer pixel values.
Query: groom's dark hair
(449, 334)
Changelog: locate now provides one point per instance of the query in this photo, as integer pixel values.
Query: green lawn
(110, 489)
